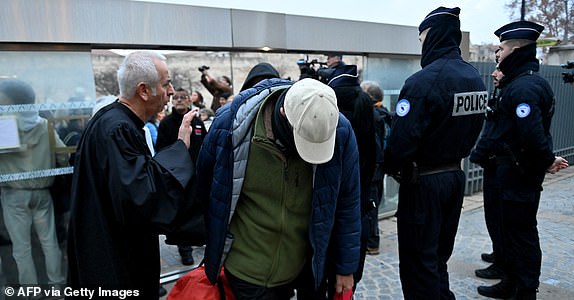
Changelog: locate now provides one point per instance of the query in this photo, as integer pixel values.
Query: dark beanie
(259, 72)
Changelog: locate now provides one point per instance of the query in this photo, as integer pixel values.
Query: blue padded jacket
(335, 217)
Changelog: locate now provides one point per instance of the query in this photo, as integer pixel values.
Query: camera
(568, 77)
(313, 69)
(203, 68)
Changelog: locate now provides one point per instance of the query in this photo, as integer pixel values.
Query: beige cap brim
(315, 153)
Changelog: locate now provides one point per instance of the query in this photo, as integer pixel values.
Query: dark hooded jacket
(357, 107)
(432, 126)
(259, 72)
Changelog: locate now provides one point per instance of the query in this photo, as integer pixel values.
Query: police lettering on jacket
(469, 103)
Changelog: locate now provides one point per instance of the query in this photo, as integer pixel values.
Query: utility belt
(427, 170)
(411, 175)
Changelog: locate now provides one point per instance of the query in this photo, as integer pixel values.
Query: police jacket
(335, 211)
(439, 115)
(520, 131)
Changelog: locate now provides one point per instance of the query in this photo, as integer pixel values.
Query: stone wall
(184, 68)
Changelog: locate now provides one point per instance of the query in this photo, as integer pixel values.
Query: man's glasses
(177, 98)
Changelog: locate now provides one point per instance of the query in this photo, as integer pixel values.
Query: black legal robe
(122, 198)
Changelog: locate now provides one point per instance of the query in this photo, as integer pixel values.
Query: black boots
(491, 272)
(488, 257)
(186, 253)
(162, 291)
(501, 290)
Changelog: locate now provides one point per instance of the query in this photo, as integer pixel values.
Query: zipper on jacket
(273, 270)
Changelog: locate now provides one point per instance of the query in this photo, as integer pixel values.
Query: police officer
(437, 121)
(491, 193)
(521, 147)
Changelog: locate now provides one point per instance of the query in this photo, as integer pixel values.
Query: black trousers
(493, 213)
(376, 195)
(427, 221)
(523, 258)
(520, 197)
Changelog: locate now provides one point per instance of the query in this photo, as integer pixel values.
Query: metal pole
(522, 10)
(567, 23)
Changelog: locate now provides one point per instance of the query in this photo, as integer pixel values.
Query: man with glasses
(167, 135)
(491, 190)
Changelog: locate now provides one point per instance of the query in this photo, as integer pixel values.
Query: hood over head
(444, 35)
(259, 72)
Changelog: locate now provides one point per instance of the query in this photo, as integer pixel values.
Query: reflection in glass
(34, 190)
(28, 203)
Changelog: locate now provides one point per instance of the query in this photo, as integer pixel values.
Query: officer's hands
(559, 164)
(344, 283)
(185, 129)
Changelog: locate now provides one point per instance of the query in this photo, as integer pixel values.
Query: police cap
(523, 30)
(440, 15)
(346, 75)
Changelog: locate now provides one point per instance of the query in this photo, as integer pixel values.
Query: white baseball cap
(311, 109)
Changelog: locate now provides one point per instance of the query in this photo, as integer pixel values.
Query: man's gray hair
(373, 89)
(138, 67)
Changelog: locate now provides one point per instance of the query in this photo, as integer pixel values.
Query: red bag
(195, 286)
(348, 295)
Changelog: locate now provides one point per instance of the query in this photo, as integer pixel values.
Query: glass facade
(57, 91)
(46, 99)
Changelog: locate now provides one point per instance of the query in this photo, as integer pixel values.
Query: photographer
(568, 77)
(215, 86)
(315, 69)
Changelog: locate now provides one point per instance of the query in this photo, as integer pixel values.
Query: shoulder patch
(403, 107)
(523, 110)
(469, 103)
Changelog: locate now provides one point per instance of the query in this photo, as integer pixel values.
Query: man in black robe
(122, 197)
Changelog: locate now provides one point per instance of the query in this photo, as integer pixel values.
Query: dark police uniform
(491, 197)
(521, 146)
(437, 122)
